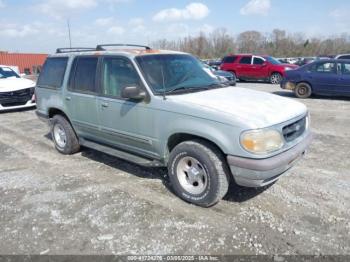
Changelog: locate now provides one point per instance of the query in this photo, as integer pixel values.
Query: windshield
(6, 72)
(273, 60)
(167, 73)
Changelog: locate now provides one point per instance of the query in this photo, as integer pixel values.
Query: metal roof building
(27, 63)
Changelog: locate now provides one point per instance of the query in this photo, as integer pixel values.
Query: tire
(63, 135)
(276, 78)
(198, 173)
(303, 90)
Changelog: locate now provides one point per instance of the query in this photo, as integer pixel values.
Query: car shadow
(235, 193)
(241, 194)
(323, 97)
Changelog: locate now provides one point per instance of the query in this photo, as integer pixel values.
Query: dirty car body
(161, 108)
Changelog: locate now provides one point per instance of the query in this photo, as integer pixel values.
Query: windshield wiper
(185, 88)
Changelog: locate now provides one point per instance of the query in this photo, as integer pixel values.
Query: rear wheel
(276, 78)
(198, 173)
(303, 90)
(63, 135)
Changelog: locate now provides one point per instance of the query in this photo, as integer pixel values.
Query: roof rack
(74, 49)
(102, 47)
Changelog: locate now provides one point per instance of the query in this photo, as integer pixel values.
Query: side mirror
(133, 92)
(264, 64)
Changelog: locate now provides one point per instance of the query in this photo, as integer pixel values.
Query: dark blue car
(323, 77)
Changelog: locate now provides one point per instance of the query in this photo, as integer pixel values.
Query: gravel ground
(92, 203)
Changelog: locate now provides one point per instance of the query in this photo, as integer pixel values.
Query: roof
(124, 52)
(130, 50)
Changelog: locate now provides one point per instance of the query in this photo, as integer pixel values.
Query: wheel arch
(56, 111)
(180, 137)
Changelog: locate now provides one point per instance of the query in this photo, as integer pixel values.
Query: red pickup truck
(253, 67)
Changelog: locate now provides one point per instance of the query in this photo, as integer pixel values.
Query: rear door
(126, 124)
(80, 98)
(244, 67)
(324, 77)
(344, 78)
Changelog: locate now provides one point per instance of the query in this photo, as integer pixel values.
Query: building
(27, 63)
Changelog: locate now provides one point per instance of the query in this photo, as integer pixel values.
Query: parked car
(15, 92)
(305, 60)
(252, 67)
(160, 108)
(323, 77)
(343, 56)
(224, 76)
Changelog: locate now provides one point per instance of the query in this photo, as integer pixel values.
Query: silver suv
(161, 108)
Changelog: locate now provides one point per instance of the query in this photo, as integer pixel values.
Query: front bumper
(28, 104)
(288, 85)
(261, 172)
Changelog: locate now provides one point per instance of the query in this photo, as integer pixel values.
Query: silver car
(161, 108)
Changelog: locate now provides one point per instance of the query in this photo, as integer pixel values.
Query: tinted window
(118, 73)
(345, 68)
(84, 75)
(344, 57)
(53, 72)
(246, 60)
(325, 68)
(229, 59)
(258, 61)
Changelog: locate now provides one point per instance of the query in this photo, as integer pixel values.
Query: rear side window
(229, 59)
(83, 76)
(246, 60)
(53, 72)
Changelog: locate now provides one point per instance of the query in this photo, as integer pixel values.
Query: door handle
(68, 98)
(104, 105)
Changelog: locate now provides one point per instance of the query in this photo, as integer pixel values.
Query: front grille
(294, 130)
(13, 98)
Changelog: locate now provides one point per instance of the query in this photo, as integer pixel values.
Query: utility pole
(70, 39)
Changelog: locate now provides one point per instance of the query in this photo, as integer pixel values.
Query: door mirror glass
(133, 92)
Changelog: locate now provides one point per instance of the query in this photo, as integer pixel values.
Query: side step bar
(121, 154)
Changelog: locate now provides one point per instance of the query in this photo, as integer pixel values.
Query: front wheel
(276, 78)
(63, 135)
(303, 90)
(198, 173)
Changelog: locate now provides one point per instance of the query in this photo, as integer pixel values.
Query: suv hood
(253, 108)
(14, 84)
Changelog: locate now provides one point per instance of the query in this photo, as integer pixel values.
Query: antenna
(70, 39)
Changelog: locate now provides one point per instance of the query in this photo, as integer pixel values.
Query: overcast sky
(41, 25)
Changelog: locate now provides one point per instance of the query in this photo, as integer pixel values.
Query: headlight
(288, 68)
(262, 141)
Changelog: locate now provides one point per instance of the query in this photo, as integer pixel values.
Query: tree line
(278, 43)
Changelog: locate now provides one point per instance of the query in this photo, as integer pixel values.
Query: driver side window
(258, 61)
(118, 73)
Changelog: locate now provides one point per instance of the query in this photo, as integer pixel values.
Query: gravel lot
(91, 203)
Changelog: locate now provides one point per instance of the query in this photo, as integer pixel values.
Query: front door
(260, 69)
(80, 98)
(324, 77)
(126, 124)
